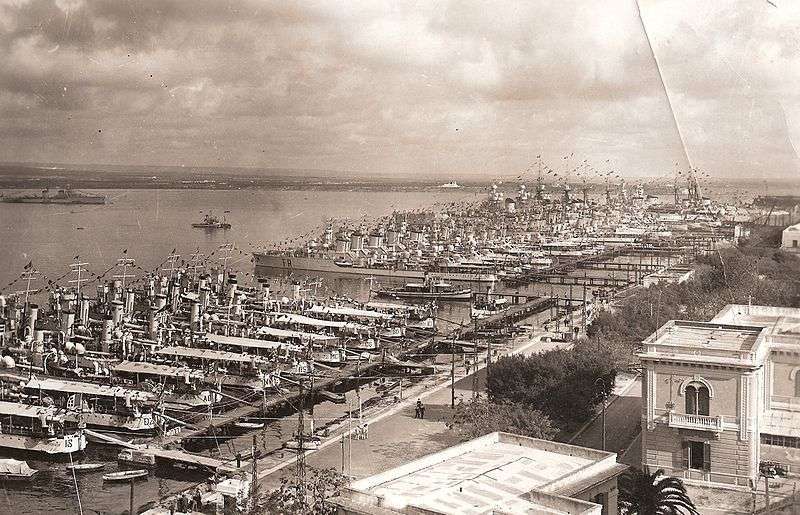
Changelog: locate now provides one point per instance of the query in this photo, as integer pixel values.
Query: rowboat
(124, 475)
(15, 470)
(86, 467)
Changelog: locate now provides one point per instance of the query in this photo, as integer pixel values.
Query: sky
(438, 88)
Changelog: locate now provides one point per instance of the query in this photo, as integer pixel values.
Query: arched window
(697, 397)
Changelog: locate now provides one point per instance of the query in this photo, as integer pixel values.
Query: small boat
(249, 425)
(136, 457)
(310, 443)
(337, 398)
(428, 290)
(125, 475)
(86, 467)
(15, 470)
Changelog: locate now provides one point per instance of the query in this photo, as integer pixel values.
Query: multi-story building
(721, 397)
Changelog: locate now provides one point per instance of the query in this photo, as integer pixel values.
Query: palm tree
(641, 493)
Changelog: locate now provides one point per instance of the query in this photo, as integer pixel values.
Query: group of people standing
(419, 412)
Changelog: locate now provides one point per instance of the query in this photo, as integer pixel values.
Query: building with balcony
(720, 397)
(496, 473)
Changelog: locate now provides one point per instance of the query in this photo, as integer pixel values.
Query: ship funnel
(116, 312)
(151, 287)
(194, 317)
(84, 312)
(108, 329)
(102, 292)
(232, 286)
(117, 289)
(130, 300)
(68, 322)
(205, 297)
(152, 323)
(68, 301)
(161, 301)
(38, 341)
(175, 297)
(33, 315)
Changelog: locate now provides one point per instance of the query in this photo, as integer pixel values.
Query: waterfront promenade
(396, 437)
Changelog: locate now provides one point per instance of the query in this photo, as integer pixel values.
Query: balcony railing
(699, 422)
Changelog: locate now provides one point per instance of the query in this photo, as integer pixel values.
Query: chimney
(116, 312)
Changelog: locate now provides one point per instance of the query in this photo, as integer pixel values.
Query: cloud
(429, 87)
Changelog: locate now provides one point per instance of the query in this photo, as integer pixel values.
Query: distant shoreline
(38, 177)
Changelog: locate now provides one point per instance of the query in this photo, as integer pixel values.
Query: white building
(496, 473)
(790, 239)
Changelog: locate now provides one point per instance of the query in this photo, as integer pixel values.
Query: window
(696, 455)
(794, 243)
(797, 385)
(697, 397)
(780, 440)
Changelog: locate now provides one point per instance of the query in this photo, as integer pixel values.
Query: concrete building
(496, 473)
(721, 397)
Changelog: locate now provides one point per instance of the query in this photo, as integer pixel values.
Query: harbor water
(147, 225)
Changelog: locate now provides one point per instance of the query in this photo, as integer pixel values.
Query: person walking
(417, 411)
(421, 408)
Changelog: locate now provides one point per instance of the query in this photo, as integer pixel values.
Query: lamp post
(603, 394)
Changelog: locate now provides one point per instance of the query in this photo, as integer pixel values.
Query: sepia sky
(440, 87)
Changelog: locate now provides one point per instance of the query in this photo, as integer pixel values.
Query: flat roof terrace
(705, 341)
(493, 472)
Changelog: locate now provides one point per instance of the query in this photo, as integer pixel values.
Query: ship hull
(310, 264)
(55, 445)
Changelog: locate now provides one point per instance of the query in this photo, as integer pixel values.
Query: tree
(578, 377)
(480, 417)
(641, 493)
(319, 487)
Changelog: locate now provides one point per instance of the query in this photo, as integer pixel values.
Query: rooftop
(780, 320)
(498, 472)
(705, 341)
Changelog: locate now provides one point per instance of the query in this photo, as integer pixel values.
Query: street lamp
(603, 395)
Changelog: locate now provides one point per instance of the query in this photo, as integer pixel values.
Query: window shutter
(703, 401)
(685, 446)
(707, 456)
